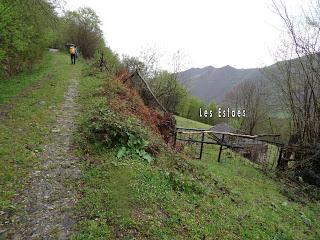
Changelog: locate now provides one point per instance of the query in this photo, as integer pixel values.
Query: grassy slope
(176, 198)
(188, 123)
(32, 99)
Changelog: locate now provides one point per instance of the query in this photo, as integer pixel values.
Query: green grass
(187, 123)
(259, 203)
(13, 86)
(27, 125)
(176, 197)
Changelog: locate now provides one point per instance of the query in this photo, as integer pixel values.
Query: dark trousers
(73, 58)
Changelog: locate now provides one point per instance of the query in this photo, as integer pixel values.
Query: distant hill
(210, 83)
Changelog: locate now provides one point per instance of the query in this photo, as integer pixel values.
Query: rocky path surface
(49, 198)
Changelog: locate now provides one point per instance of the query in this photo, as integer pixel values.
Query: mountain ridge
(212, 84)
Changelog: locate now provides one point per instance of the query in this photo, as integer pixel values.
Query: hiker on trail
(76, 51)
(72, 54)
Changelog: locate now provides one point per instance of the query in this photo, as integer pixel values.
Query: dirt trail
(49, 197)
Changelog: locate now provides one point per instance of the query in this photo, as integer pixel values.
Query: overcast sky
(240, 33)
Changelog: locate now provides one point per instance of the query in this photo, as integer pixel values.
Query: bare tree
(165, 84)
(177, 63)
(248, 96)
(150, 58)
(297, 78)
(298, 74)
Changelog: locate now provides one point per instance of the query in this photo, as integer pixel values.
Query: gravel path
(49, 198)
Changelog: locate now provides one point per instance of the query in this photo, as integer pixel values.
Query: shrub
(107, 129)
(26, 29)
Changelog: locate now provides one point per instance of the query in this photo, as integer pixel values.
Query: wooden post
(175, 139)
(280, 164)
(201, 147)
(220, 150)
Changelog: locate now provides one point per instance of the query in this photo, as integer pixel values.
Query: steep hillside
(171, 195)
(211, 83)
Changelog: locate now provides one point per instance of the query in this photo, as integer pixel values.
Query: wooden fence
(215, 140)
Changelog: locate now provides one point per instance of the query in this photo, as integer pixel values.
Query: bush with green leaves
(108, 129)
(26, 29)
